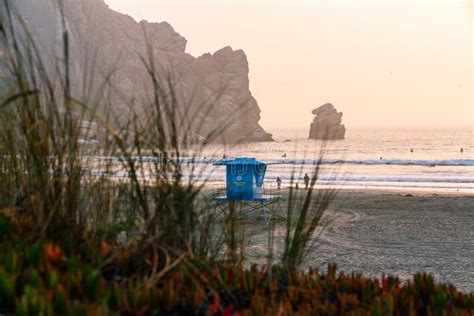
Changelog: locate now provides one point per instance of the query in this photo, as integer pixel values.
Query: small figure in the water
(278, 183)
(462, 150)
(411, 150)
(306, 181)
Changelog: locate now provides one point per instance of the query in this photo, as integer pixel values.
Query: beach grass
(47, 278)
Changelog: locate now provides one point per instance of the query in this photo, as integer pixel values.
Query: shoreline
(410, 191)
(375, 190)
(388, 199)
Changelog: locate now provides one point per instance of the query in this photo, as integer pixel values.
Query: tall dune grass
(53, 190)
(45, 176)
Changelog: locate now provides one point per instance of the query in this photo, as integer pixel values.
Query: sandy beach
(390, 200)
(375, 232)
(396, 199)
(403, 200)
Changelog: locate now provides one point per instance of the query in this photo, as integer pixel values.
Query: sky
(383, 63)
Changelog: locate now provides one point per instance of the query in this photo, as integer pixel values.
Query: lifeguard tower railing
(245, 185)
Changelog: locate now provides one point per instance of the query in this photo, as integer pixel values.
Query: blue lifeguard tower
(244, 184)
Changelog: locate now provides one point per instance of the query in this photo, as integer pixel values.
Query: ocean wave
(271, 178)
(398, 162)
(369, 179)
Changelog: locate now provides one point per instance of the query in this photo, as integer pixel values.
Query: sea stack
(327, 123)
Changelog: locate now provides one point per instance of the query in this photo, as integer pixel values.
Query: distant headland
(117, 43)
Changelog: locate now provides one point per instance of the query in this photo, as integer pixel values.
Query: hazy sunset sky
(383, 63)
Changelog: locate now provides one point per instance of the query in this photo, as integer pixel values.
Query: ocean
(378, 158)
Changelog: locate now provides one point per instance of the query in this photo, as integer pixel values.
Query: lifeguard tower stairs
(244, 189)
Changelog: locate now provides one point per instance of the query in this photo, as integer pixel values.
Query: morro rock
(327, 123)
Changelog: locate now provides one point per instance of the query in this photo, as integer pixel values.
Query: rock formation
(327, 123)
(102, 40)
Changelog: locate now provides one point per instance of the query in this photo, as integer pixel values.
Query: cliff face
(327, 123)
(103, 41)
